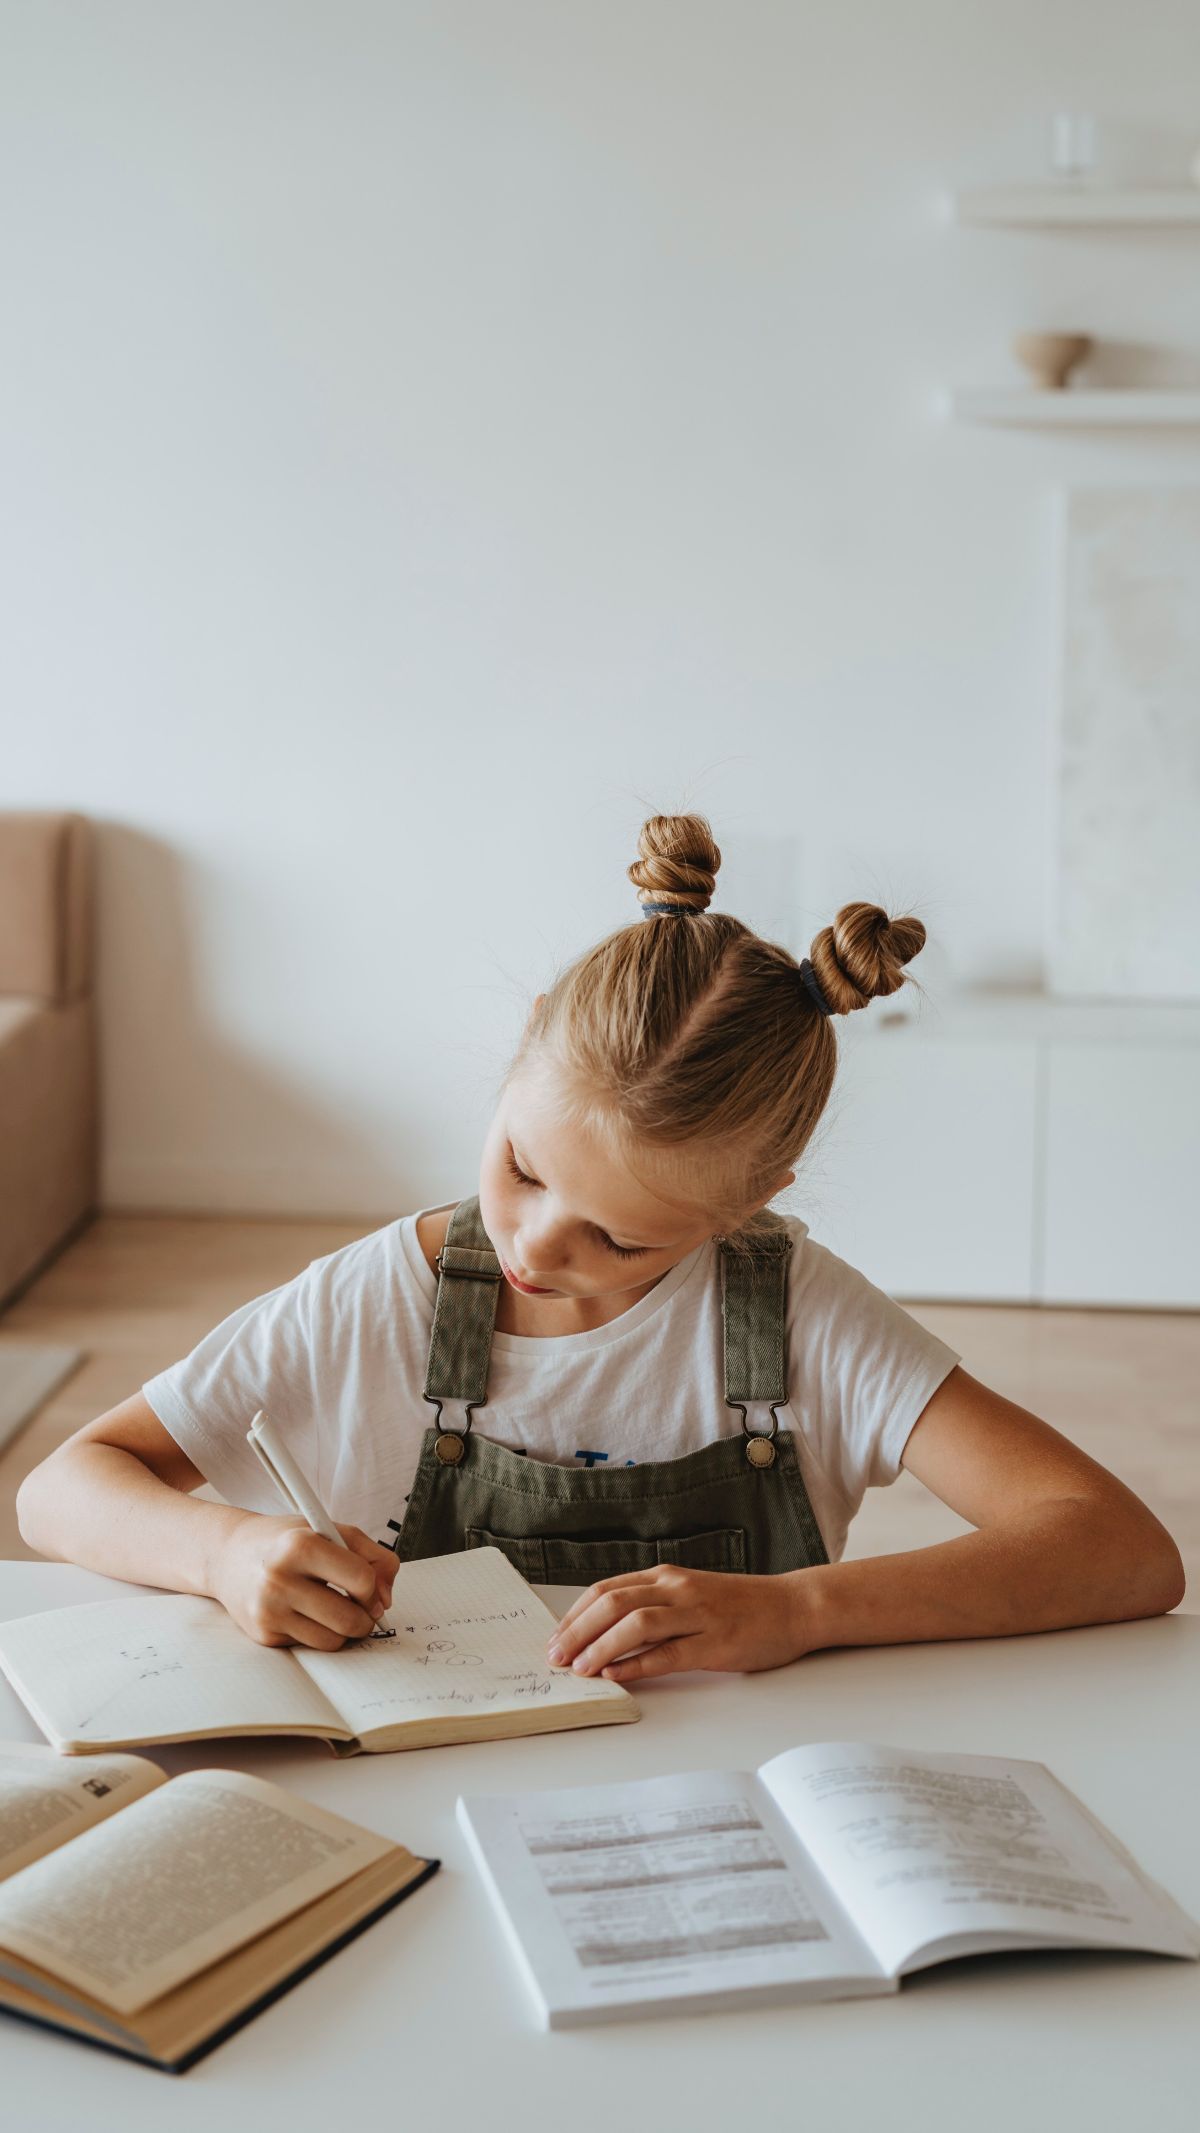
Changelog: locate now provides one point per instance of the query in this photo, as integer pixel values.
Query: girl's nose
(539, 1252)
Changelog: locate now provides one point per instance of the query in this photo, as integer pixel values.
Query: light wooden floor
(135, 1292)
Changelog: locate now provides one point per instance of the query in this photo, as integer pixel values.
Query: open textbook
(829, 1873)
(466, 1661)
(156, 1915)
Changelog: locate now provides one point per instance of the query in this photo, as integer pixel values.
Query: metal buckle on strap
(450, 1445)
(760, 1443)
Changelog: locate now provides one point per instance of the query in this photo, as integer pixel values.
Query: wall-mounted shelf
(1078, 409)
(1066, 206)
(950, 1015)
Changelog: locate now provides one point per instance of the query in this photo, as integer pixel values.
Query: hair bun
(862, 955)
(677, 862)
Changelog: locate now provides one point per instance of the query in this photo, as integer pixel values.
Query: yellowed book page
(191, 1872)
(161, 1668)
(179, 2020)
(44, 1801)
(470, 1642)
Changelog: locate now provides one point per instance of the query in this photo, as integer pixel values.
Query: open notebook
(467, 1662)
(155, 1915)
(831, 1872)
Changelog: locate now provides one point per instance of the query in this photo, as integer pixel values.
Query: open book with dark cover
(831, 1872)
(156, 1915)
(462, 1657)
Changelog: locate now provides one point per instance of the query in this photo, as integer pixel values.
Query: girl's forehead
(585, 1167)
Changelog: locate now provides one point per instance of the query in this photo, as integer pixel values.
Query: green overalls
(737, 1504)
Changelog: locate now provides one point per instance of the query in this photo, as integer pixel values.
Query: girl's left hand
(668, 1620)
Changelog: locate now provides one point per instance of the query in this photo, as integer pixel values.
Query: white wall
(436, 435)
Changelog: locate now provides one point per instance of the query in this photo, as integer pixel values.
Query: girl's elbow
(1160, 1580)
(27, 1510)
(1146, 1574)
(1171, 1576)
(38, 1501)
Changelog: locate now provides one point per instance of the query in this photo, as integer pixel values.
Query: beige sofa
(47, 1040)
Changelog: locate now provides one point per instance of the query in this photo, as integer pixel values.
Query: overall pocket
(558, 1560)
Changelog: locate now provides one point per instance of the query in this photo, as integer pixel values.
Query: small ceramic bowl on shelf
(1051, 357)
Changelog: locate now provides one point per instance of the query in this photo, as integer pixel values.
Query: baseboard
(342, 1195)
(39, 1267)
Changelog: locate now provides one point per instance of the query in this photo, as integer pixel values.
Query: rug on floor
(28, 1376)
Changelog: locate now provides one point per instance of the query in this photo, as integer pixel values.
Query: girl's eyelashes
(622, 1251)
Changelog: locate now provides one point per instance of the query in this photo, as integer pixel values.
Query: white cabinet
(1122, 1190)
(1017, 1150)
(923, 1176)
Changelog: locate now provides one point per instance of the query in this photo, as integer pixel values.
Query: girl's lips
(526, 1287)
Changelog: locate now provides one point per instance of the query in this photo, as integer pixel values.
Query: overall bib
(738, 1503)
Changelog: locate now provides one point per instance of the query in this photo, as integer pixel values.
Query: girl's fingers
(669, 1658)
(598, 1591)
(326, 1608)
(310, 1555)
(639, 1627)
(301, 1629)
(381, 1561)
(589, 1616)
(373, 1552)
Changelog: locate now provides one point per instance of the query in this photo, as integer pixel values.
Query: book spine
(549, 2016)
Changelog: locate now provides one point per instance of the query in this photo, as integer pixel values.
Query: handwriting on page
(456, 1654)
(469, 1635)
(118, 1670)
(148, 1660)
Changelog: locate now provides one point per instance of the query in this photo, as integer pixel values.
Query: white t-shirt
(338, 1356)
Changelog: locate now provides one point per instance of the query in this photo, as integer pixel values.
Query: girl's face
(565, 1216)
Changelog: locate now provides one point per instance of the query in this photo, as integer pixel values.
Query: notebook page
(45, 1801)
(195, 1870)
(470, 1637)
(127, 1670)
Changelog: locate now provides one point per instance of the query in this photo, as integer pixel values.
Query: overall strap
(754, 1273)
(464, 1316)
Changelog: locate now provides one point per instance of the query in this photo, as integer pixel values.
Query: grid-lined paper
(470, 1640)
(149, 1669)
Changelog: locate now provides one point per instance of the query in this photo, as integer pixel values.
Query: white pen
(295, 1488)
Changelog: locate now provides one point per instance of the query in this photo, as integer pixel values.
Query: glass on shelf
(1073, 146)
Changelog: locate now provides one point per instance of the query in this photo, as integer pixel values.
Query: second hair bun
(861, 957)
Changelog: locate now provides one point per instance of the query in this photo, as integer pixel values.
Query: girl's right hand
(273, 1576)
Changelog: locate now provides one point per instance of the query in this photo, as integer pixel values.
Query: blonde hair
(695, 1047)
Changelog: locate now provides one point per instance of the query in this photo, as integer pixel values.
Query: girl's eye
(622, 1251)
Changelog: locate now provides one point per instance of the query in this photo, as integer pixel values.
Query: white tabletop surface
(424, 2022)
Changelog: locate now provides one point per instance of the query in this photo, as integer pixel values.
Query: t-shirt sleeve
(260, 1356)
(863, 1370)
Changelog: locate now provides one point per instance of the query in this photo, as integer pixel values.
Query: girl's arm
(116, 1497)
(1059, 1541)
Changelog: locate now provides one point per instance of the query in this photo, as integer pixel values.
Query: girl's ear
(780, 1185)
(533, 1010)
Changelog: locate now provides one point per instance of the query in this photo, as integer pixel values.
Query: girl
(639, 1378)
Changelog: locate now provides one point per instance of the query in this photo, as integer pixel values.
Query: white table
(424, 2023)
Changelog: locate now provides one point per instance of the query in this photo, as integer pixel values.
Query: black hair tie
(666, 910)
(809, 980)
